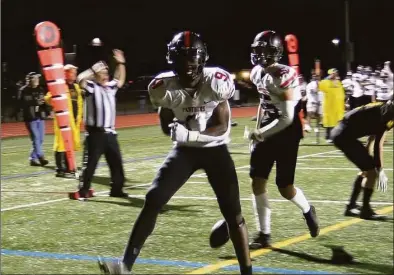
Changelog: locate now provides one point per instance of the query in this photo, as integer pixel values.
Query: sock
(367, 197)
(356, 190)
(300, 200)
(262, 213)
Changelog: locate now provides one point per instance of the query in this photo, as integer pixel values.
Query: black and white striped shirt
(100, 105)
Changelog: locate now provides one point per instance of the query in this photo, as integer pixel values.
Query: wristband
(121, 63)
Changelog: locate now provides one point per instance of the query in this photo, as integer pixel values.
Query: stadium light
(96, 42)
(233, 76)
(245, 74)
(335, 41)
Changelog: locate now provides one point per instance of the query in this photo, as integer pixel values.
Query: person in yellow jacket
(75, 105)
(333, 101)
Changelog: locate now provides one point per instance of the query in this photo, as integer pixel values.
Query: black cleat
(260, 240)
(35, 163)
(118, 194)
(113, 267)
(312, 222)
(352, 211)
(43, 161)
(367, 213)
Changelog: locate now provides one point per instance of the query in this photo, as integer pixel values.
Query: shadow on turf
(339, 257)
(105, 180)
(139, 203)
(50, 167)
(316, 145)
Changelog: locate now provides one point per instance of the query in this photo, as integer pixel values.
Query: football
(219, 234)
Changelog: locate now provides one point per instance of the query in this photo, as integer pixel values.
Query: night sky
(143, 28)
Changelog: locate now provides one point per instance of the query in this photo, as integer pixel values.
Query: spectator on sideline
(75, 103)
(31, 97)
(333, 101)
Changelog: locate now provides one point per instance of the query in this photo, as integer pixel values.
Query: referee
(99, 120)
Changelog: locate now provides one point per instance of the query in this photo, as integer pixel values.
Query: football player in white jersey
(384, 87)
(358, 91)
(314, 104)
(348, 85)
(301, 89)
(197, 97)
(369, 85)
(277, 136)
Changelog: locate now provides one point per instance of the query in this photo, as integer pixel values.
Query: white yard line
(324, 168)
(145, 184)
(204, 198)
(64, 199)
(333, 156)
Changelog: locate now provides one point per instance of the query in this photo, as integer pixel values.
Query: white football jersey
(256, 75)
(369, 86)
(383, 91)
(301, 89)
(194, 107)
(357, 77)
(277, 82)
(272, 86)
(270, 111)
(312, 92)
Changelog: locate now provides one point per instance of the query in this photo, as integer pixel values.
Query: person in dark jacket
(31, 97)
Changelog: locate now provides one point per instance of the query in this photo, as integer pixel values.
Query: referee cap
(99, 66)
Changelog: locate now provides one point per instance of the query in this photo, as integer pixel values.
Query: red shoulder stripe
(157, 83)
(288, 80)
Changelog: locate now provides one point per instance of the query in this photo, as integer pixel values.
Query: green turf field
(45, 233)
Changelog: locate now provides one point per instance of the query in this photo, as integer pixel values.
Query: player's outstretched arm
(120, 71)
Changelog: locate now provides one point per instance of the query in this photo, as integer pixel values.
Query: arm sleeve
(280, 123)
(287, 79)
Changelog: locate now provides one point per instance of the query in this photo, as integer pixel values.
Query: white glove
(252, 135)
(179, 132)
(382, 181)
